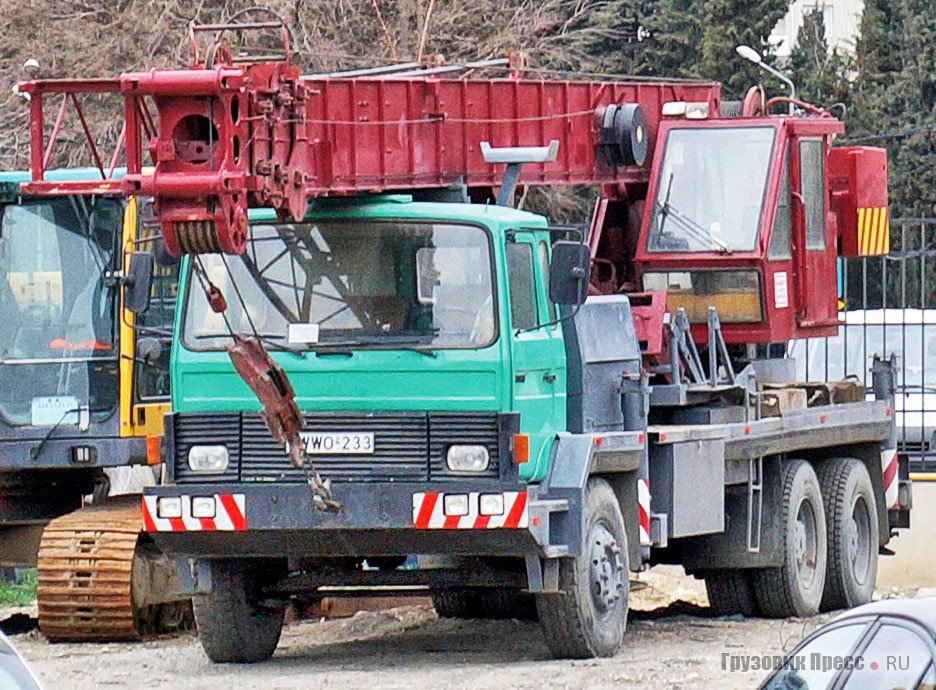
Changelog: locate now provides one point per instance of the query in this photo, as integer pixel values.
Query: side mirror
(568, 272)
(138, 283)
(149, 350)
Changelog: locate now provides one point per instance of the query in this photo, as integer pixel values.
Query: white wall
(845, 18)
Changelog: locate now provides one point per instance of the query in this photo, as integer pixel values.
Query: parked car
(908, 333)
(14, 673)
(885, 645)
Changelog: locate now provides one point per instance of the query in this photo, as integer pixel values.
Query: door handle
(549, 377)
(520, 378)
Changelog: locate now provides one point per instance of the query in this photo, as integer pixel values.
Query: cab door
(536, 349)
(814, 250)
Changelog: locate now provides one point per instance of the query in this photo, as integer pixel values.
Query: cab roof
(60, 175)
(403, 207)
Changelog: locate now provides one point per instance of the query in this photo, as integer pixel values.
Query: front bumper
(376, 519)
(76, 452)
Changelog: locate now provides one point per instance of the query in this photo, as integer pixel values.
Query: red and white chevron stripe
(230, 516)
(429, 512)
(643, 510)
(889, 465)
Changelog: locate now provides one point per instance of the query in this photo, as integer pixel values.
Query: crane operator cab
(749, 215)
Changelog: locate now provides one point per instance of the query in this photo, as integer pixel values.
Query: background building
(841, 17)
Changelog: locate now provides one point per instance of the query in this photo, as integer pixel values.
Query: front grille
(400, 449)
(222, 429)
(408, 446)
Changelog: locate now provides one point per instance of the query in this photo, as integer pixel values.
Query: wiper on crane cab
(692, 227)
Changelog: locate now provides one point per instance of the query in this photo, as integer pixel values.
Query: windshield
(710, 190)
(374, 284)
(57, 320)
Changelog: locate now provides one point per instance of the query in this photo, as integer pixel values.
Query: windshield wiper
(692, 227)
(369, 343)
(346, 346)
(266, 338)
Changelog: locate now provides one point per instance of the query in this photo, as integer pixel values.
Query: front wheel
(588, 617)
(795, 588)
(233, 625)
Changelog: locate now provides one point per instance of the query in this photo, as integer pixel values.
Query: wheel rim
(806, 540)
(606, 569)
(858, 540)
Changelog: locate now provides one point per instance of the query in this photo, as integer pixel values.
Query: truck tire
(795, 588)
(589, 616)
(500, 603)
(457, 603)
(491, 603)
(731, 592)
(852, 533)
(232, 626)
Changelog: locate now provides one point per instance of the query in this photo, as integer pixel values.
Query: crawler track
(99, 581)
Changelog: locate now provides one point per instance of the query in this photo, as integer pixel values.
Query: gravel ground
(671, 643)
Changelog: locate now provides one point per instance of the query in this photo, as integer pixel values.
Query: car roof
(887, 316)
(921, 610)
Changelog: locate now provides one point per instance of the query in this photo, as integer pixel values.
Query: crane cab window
(811, 187)
(780, 235)
(710, 190)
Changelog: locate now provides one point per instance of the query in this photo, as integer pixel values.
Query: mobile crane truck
(434, 380)
(82, 394)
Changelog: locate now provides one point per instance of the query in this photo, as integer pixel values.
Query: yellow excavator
(84, 385)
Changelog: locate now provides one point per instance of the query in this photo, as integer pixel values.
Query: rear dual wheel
(491, 603)
(829, 547)
(731, 592)
(852, 533)
(796, 587)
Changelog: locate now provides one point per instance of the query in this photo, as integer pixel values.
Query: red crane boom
(225, 138)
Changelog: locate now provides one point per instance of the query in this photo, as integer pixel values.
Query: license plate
(54, 409)
(338, 442)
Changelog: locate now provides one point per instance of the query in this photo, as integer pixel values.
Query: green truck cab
(389, 305)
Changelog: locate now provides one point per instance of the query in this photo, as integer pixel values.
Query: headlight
(203, 507)
(467, 458)
(169, 507)
(491, 504)
(455, 504)
(208, 458)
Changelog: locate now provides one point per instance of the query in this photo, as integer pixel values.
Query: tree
(821, 75)
(895, 98)
(688, 38)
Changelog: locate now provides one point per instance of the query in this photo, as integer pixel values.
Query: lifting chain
(269, 382)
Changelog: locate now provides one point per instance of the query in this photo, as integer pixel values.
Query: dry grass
(85, 38)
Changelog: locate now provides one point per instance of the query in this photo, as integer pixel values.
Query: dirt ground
(671, 643)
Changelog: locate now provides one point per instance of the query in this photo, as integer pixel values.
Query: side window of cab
(542, 251)
(521, 285)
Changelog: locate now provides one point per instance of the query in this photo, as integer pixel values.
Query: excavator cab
(749, 215)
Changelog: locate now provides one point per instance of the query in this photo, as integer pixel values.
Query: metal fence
(888, 307)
